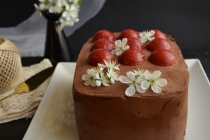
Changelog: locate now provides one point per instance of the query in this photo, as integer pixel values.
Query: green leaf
(79, 2)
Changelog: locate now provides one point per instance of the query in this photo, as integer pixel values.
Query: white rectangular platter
(49, 121)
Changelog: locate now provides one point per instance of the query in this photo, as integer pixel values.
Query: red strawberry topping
(162, 58)
(158, 43)
(103, 34)
(159, 34)
(103, 44)
(98, 56)
(135, 43)
(128, 33)
(132, 57)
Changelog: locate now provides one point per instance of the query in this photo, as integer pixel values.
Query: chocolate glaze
(106, 113)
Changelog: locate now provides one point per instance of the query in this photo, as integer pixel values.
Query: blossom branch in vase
(59, 14)
(69, 10)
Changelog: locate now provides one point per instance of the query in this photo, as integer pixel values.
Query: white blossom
(139, 72)
(137, 80)
(153, 80)
(90, 77)
(112, 76)
(134, 83)
(147, 36)
(103, 74)
(68, 8)
(102, 80)
(120, 46)
(109, 65)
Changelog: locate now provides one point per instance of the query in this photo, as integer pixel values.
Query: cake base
(100, 118)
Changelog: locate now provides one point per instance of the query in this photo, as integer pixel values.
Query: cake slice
(112, 112)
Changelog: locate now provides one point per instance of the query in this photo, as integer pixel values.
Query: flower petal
(139, 89)
(161, 82)
(119, 53)
(145, 84)
(88, 71)
(143, 40)
(113, 51)
(97, 76)
(126, 47)
(147, 74)
(87, 83)
(85, 77)
(156, 74)
(124, 41)
(112, 81)
(156, 89)
(140, 79)
(105, 84)
(151, 32)
(117, 43)
(98, 83)
(102, 65)
(151, 38)
(124, 79)
(142, 34)
(130, 75)
(130, 91)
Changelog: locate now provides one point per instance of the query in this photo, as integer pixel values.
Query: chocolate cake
(108, 113)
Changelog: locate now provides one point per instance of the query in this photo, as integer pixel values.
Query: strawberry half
(132, 57)
(98, 56)
(103, 34)
(103, 44)
(158, 43)
(128, 33)
(159, 34)
(135, 43)
(162, 58)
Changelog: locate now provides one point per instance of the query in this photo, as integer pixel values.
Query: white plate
(198, 125)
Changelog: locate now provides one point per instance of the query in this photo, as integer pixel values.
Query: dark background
(188, 21)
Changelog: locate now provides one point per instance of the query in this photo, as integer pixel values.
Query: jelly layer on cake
(106, 113)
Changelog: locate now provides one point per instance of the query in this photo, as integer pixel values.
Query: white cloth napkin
(29, 36)
(17, 106)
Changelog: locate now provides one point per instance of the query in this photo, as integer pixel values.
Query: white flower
(65, 22)
(109, 65)
(98, 72)
(90, 77)
(133, 82)
(68, 8)
(111, 68)
(153, 80)
(54, 6)
(102, 80)
(71, 12)
(112, 75)
(40, 7)
(120, 46)
(103, 74)
(147, 36)
(70, 16)
(139, 72)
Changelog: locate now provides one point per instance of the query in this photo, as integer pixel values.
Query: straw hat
(10, 65)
